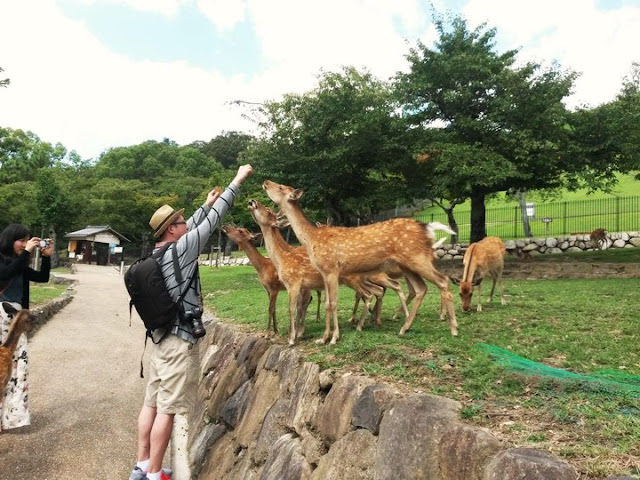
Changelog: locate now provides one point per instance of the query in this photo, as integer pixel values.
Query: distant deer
(21, 323)
(336, 251)
(482, 258)
(296, 271)
(267, 274)
(599, 239)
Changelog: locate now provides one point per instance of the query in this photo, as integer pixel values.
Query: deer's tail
(432, 227)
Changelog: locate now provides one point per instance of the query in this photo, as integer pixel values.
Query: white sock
(153, 476)
(143, 465)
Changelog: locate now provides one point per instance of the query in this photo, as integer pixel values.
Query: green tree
(22, 154)
(54, 208)
(4, 82)
(486, 125)
(338, 143)
(226, 148)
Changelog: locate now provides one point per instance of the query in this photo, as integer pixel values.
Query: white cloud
(224, 14)
(167, 8)
(601, 45)
(67, 86)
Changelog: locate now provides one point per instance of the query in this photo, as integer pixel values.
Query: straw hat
(162, 218)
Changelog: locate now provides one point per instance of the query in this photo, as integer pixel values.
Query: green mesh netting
(605, 381)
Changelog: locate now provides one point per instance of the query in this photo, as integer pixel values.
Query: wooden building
(95, 244)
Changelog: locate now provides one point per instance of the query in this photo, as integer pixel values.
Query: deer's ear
(296, 194)
(455, 280)
(256, 236)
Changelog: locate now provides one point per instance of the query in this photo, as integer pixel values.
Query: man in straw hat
(174, 361)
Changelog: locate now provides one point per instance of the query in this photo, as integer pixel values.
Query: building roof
(92, 230)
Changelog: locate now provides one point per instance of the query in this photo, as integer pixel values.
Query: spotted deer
(336, 251)
(21, 323)
(296, 271)
(599, 239)
(482, 258)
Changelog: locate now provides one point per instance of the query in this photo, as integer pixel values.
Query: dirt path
(85, 386)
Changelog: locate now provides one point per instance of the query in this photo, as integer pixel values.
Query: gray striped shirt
(201, 225)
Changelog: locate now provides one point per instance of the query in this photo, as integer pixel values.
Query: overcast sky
(96, 74)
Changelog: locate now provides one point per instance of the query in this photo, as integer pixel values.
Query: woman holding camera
(16, 247)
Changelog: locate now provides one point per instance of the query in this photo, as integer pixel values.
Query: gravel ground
(86, 390)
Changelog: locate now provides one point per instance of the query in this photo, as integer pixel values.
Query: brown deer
(336, 251)
(599, 239)
(482, 258)
(21, 323)
(267, 274)
(296, 271)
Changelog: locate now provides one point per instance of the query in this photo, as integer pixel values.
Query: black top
(16, 266)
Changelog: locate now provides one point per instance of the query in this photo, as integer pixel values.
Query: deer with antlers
(297, 273)
(336, 251)
(21, 323)
(483, 258)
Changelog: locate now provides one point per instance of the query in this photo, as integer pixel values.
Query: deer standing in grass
(21, 323)
(267, 274)
(599, 238)
(367, 249)
(482, 258)
(296, 271)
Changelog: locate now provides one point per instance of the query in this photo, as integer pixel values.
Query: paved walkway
(86, 390)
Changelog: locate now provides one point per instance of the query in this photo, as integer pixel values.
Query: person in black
(16, 247)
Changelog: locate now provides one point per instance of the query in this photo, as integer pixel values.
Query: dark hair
(9, 235)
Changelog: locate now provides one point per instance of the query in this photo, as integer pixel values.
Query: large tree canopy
(337, 143)
(484, 124)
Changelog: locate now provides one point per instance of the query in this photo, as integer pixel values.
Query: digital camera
(44, 243)
(193, 317)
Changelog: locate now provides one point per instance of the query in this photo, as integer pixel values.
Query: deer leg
(405, 307)
(446, 299)
(319, 292)
(503, 301)
(273, 296)
(330, 308)
(303, 304)
(366, 297)
(420, 290)
(355, 308)
(294, 293)
(479, 296)
(377, 313)
(494, 279)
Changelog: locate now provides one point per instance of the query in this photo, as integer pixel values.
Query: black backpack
(148, 291)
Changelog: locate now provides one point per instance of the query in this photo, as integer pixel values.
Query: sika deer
(296, 271)
(599, 239)
(336, 251)
(482, 258)
(20, 324)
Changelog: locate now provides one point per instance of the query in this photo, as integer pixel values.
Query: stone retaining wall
(42, 313)
(264, 413)
(537, 246)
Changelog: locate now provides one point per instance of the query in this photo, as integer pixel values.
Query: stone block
(410, 433)
(529, 464)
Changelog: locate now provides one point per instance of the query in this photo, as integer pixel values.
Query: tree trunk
(452, 223)
(478, 221)
(522, 201)
(55, 256)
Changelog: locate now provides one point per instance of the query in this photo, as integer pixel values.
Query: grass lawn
(569, 212)
(581, 325)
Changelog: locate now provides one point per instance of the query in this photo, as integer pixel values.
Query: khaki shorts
(173, 376)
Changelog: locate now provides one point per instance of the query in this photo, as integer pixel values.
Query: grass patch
(581, 325)
(45, 292)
